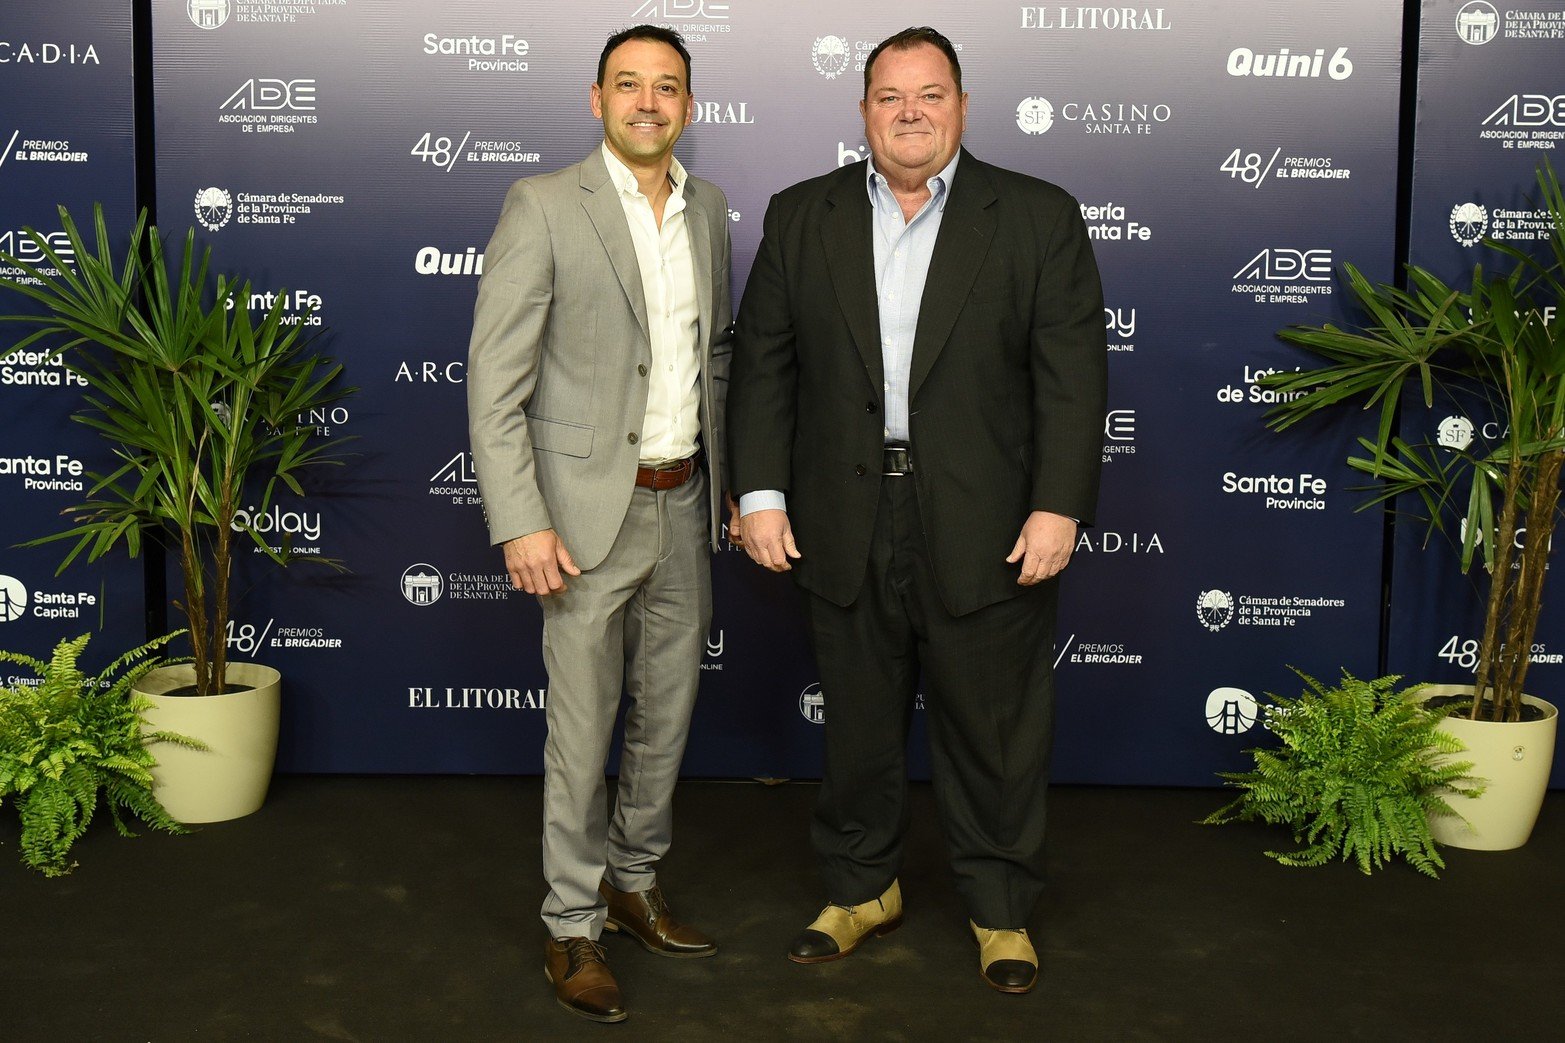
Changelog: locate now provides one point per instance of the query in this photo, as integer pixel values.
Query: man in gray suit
(597, 376)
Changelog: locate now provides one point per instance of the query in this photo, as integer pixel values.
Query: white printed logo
(1215, 609)
(13, 599)
(1477, 22)
(1455, 432)
(214, 206)
(1035, 115)
(423, 584)
(208, 14)
(1469, 222)
(830, 56)
(812, 704)
(1231, 711)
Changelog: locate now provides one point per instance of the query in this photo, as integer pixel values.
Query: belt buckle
(902, 457)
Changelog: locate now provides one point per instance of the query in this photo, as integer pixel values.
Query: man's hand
(1044, 547)
(735, 529)
(536, 561)
(768, 538)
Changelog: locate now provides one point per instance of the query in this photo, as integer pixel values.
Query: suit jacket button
(860, 470)
(869, 407)
(631, 438)
(641, 368)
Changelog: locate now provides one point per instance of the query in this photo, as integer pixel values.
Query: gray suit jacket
(556, 379)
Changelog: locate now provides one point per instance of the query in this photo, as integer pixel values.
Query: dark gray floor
(404, 909)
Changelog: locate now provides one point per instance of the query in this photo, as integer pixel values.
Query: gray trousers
(635, 624)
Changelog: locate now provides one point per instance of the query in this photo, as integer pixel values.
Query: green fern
(70, 738)
(1361, 769)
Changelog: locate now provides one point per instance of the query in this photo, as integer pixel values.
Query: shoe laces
(655, 901)
(581, 951)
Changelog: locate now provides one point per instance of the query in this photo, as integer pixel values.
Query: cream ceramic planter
(229, 779)
(1515, 759)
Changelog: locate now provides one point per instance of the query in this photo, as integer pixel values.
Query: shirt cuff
(762, 500)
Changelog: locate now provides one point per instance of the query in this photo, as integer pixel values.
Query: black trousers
(989, 693)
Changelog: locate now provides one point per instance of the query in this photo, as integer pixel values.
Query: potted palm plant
(204, 408)
(1495, 346)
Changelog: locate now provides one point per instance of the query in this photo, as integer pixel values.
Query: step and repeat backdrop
(67, 136)
(350, 159)
(1491, 92)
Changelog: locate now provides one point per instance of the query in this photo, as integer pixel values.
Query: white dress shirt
(668, 283)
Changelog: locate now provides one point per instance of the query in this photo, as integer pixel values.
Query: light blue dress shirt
(903, 250)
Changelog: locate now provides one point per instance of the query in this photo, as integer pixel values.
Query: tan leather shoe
(645, 917)
(1006, 959)
(840, 929)
(583, 983)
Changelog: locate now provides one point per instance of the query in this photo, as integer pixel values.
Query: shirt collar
(625, 181)
(939, 185)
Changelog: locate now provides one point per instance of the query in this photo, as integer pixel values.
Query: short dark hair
(912, 37)
(645, 32)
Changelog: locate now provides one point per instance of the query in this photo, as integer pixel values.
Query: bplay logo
(1477, 22)
(1231, 711)
(846, 155)
(13, 599)
(812, 704)
(422, 584)
(208, 14)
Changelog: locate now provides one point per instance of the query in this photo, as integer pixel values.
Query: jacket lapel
(608, 218)
(966, 230)
(849, 245)
(698, 228)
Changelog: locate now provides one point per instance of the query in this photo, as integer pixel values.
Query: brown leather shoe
(840, 929)
(583, 983)
(645, 917)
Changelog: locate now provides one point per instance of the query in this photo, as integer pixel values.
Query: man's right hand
(536, 561)
(768, 539)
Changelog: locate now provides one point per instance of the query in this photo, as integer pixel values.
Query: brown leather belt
(668, 476)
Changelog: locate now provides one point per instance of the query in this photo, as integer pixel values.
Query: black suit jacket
(1007, 391)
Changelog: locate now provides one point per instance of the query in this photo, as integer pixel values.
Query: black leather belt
(896, 461)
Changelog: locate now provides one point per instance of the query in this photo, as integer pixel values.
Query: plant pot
(229, 779)
(1513, 759)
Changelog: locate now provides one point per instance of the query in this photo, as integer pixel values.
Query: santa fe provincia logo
(1215, 609)
(1469, 222)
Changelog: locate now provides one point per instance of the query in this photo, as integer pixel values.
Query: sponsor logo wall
(1490, 85)
(1226, 156)
(67, 132)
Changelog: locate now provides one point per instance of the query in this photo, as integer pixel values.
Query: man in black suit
(915, 420)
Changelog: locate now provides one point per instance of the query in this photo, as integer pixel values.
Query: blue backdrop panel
(1491, 107)
(67, 136)
(1227, 155)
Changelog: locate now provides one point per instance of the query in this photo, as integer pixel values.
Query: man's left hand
(1044, 547)
(735, 531)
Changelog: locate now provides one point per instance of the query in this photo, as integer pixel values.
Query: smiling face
(643, 101)
(913, 113)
